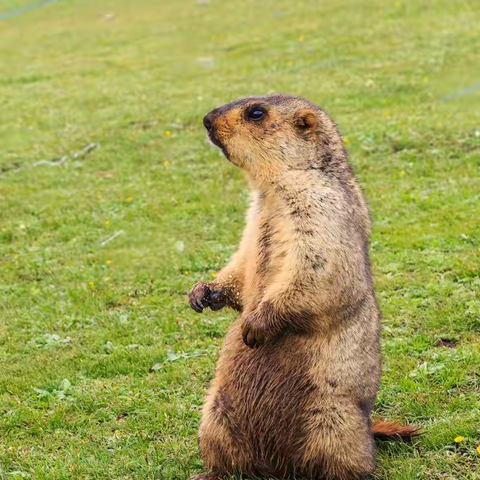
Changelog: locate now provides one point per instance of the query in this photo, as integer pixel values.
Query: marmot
(300, 368)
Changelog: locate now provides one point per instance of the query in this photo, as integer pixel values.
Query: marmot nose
(208, 121)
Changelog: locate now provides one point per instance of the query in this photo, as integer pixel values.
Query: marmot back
(300, 368)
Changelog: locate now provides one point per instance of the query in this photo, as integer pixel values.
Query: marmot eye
(256, 114)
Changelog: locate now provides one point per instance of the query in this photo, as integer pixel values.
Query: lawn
(114, 205)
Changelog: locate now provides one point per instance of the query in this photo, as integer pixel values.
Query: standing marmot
(300, 368)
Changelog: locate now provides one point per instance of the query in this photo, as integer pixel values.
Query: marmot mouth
(215, 140)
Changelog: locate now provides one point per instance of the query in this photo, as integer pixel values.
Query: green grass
(81, 324)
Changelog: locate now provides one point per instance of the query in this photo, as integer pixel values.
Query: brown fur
(300, 368)
(394, 431)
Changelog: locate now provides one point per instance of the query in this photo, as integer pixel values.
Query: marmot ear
(305, 120)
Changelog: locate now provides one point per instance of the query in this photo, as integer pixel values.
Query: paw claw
(245, 336)
(249, 337)
(251, 341)
(202, 296)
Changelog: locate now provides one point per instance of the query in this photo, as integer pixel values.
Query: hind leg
(221, 441)
(339, 445)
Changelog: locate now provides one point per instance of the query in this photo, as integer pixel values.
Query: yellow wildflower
(107, 223)
(108, 262)
(346, 140)
(91, 284)
(459, 439)
(478, 449)
(214, 275)
(117, 432)
(129, 199)
(168, 133)
(166, 163)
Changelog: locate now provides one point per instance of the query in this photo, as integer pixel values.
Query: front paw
(203, 295)
(254, 331)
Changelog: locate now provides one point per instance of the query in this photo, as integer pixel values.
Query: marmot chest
(271, 243)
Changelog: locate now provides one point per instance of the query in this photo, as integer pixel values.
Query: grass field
(98, 251)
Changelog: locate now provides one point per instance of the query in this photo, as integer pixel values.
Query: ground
(103, 366)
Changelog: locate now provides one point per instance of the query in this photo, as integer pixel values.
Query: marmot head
(271, 135)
